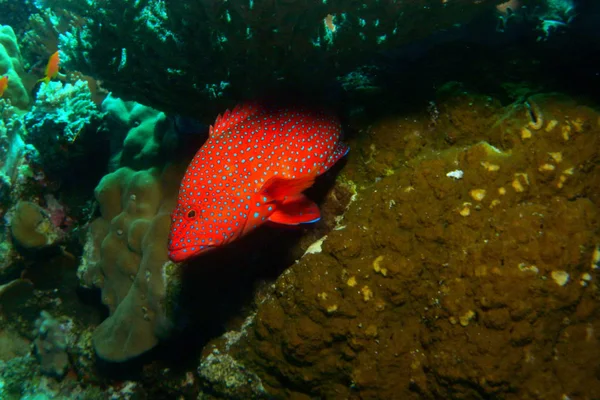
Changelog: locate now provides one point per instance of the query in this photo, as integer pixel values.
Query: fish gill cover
(452, 253)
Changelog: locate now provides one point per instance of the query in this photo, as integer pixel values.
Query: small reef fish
(252, 169)
(3, 84)
(51, 68)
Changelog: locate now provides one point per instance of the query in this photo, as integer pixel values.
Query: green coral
(11, 64)
(144, 131)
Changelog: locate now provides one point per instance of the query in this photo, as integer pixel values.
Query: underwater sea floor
(457, 257)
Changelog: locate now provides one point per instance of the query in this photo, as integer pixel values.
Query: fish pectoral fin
(340, 151)
(295, 210)
(278, 188)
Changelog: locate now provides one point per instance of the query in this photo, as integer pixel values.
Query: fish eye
(191, 214)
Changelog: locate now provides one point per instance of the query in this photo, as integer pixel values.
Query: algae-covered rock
(11, 64)
(126, 257)
(12, 345)
(14, 294)
(230, 378)
(440, 284)
(32, 228)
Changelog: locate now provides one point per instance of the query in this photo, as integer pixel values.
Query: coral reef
(50, 345)
(20, 380)
(448, 270)
(11, 64)
(207, 55)
(35, 346)
(126, 257)
(29, 228)
(62, 115)
(12, 152)
(458, 252)
(37, 157)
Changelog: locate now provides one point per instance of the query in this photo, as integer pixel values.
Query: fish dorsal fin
(228, 119)
(278, 188)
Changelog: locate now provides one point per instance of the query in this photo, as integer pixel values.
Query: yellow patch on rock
(478, 194)
(377, 266)
(367, 293)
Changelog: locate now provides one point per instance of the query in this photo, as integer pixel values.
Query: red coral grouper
(252, 169)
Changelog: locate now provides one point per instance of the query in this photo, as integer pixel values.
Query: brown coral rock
(31, 226)
(415, 298)
(126, 257)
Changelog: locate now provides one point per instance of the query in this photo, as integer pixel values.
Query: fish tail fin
(45, 79)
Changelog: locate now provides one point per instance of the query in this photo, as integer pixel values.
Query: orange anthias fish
(51, 68)
(3, 84)
(252, 169)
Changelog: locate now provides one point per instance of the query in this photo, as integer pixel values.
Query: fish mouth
(181, 254)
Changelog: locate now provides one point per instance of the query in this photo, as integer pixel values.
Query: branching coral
(61, 115)
(41, 38)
